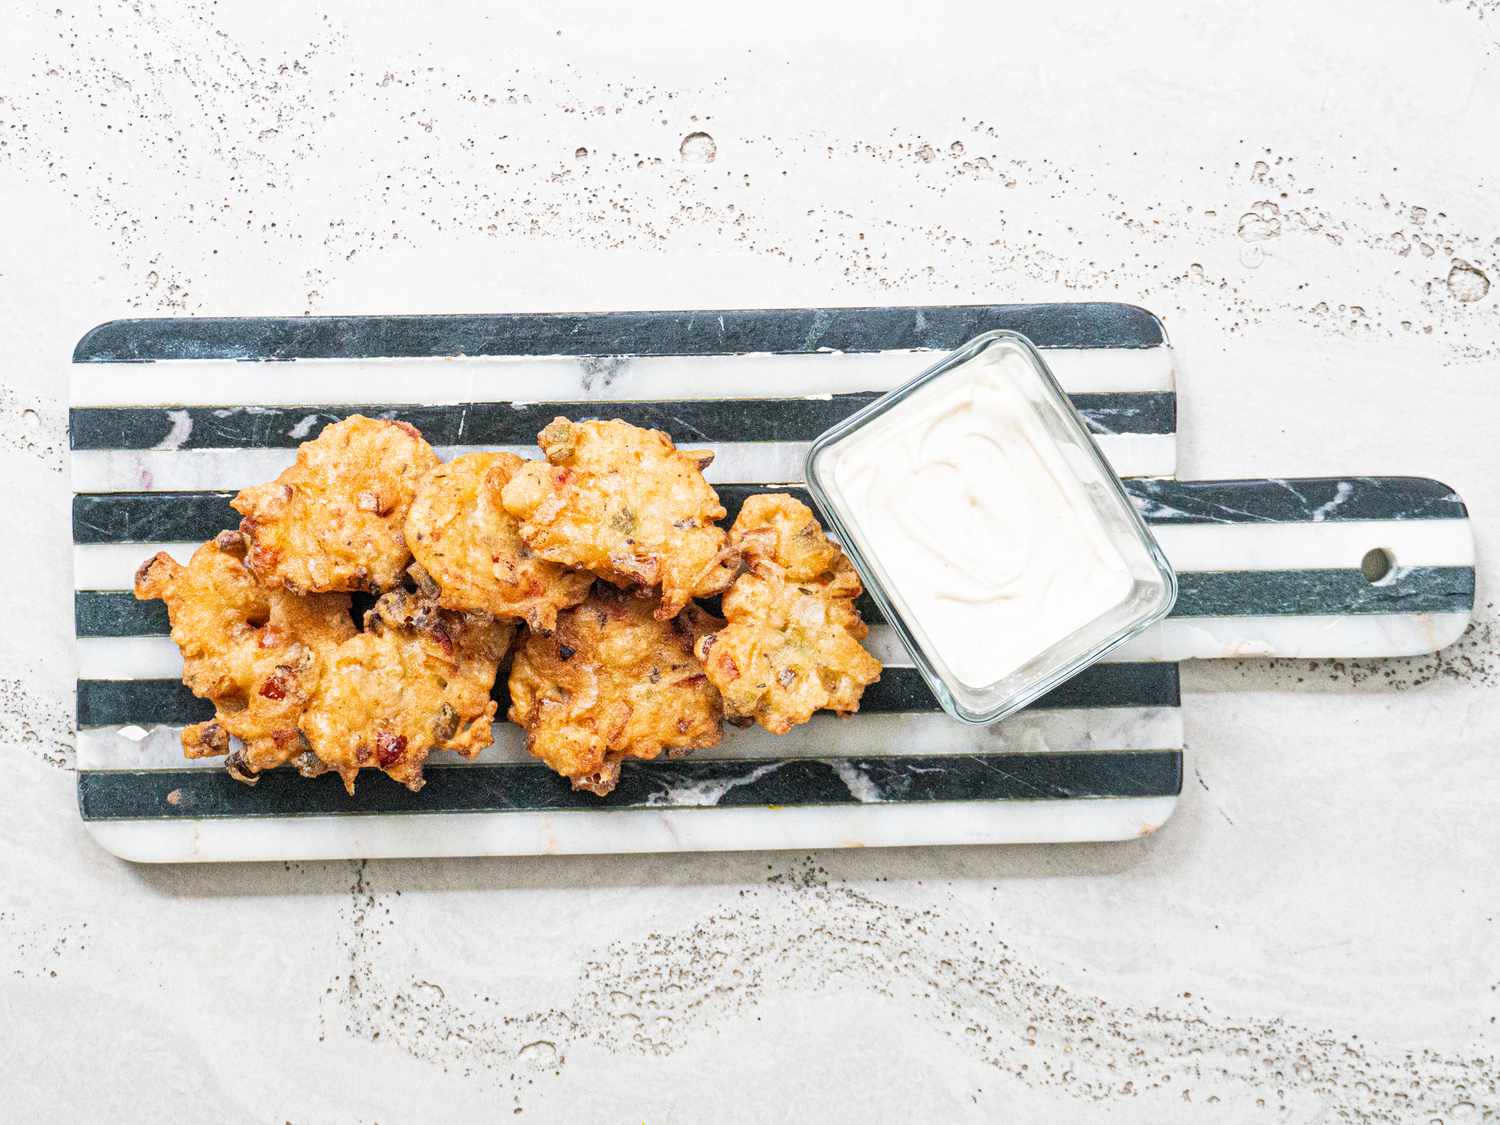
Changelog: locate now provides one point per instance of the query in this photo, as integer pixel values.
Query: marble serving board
(1266, 567)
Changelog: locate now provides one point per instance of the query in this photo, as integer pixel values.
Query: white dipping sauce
(980, 525)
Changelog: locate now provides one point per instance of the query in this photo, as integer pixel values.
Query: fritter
(255, 653)
(792, 643)
(614, 681)
(471, 547)
(628, 505)
(334, 520)
(417, 679)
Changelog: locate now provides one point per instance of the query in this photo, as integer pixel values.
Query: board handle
(1309, 567)
(1294, 567)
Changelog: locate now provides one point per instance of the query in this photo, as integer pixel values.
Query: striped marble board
(1266, 567)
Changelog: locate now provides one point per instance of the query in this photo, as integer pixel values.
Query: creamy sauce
(983, 529)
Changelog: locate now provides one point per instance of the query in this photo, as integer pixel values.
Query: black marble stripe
(1177, 502)
(117, 613)
(1295, 500)
(1299, 593)
(1277, 593)
(151, 517)
(160, 517)
(1246, 593)
(102, 703)
(532, 787)
(1288, 500)
(146, 702)
(503, 423)
(706, 332)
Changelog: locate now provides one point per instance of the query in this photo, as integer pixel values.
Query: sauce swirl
(983, 529)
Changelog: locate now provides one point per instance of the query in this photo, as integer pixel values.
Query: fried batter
(417, 679)
(333, 521)
(614, 681)
(255, 653)
(626, 504)
(792, 643)
(471, 546)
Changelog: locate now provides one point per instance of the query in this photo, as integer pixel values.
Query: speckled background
(1306, 192)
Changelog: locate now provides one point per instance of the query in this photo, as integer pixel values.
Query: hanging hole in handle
(1378, 566)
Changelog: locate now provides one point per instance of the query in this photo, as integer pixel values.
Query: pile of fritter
(582, 569)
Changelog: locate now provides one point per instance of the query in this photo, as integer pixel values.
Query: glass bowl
(988, 527)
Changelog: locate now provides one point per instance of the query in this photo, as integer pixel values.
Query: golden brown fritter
(628, 505)
(255, 653)
(792, 643)
(417, 679)
(471, 547)
(614, 681)
(334, 520)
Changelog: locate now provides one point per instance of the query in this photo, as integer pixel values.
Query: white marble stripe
(112, 566)
(1328, 545)
(826, 736)
(633, 831)
(440, 381)
(1352, 636)
(169, 470)
(1191, 547)
(157, 658)
(1314, 636)
(128, 658)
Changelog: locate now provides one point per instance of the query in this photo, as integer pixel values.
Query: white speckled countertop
(1305, 192)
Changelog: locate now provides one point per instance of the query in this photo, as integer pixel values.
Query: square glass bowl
(989, 528)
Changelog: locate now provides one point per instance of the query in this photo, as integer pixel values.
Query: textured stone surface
(1304, 192)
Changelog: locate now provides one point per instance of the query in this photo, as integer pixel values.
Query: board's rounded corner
(114, 838)
(1454, 495)
(1156, 321)
(1450, 629)
(1156, 823)
(98, 343)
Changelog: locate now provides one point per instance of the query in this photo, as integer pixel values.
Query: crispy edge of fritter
(440, 509)
(267, 526)
(789, 559)
(288, 640)
(471, 646)
(543, 664)
(537, 496)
